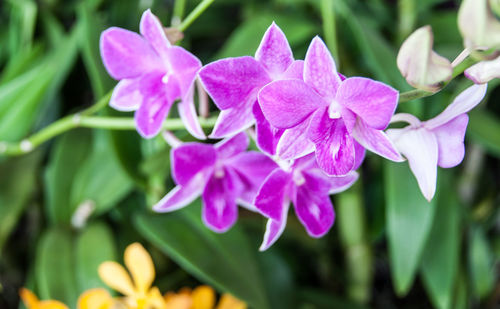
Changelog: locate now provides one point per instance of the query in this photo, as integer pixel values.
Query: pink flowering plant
(386, 152)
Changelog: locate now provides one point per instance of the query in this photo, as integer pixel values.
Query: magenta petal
(274, 52)
(181, 196)
(232, 146)
(359, 155)
(267, 135)
(232, 121)
(295, 70)
(189, 159)
(184, 66)
(273, 194)
(294, 143)
(373, 101)
(152, 29)
(150, 116)
(450, 139)
(219, 203)
(187, 112)
(315, 211)
(274, 228)
(324, 184)
(463, 103)
(334, 145)
(126, 95)
(126, 54)
(233, 81)
(375, 141)
(286, 103)
(253, 166)
(320, 71)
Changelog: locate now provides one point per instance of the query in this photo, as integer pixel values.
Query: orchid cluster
(311, 124)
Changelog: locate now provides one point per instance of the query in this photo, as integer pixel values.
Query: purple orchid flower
(338, 113)
(152, 75)
(223, 174)
(438, 141)
(309, 188)
(233, 84)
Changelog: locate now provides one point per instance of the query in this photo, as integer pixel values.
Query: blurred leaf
(441, 255)
(483, 129)
(222, 260)
(278, 278)
(17, 184)
(94, 246)
(409, 220)
(22, 25)
(54, 269)
(20, 63)
(480, 263)
(317, 299)
(66, 158)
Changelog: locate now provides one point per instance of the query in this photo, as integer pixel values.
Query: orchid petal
(187, 112)
(189, 159)
(233, 81)
(420, 147)
(274, 52)
(319, 69)
(184, 66)
(152, 29)
(116, 277)
(232, 146)
(232, 121)
(126, 54)
(463, 103)
(422, 67)
(334, 145)
(295, 70)
(373, 101)
(273, 194)
(253, 166)
(294, 142)
(150, 116)
(484, 71)
(286, 103)
(126, 95)
(478, 25)
(359, 155)
(181, 196)
(450, 139)
(267, 135)
(140, 265)
(219, 202)
(324, 184)
(314, 210)
(376, 141)
(274, 228)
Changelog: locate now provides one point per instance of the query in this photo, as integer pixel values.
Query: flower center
(298, 178)
(334, 110)
(219, 173)
(166, 77)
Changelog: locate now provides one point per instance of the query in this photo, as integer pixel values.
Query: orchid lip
(298, 178)
(334, 110)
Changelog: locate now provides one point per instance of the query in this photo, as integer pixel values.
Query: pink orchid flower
(152, 74)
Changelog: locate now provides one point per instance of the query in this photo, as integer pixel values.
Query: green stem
(82, 121)
(329, 28)
(179, 8)
(195, 14)
(407, 18)
(102, 103)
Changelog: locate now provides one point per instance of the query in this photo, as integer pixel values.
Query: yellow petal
(155, 299)
(178, 301)
(29, 298)
(229, 302)
(95, 299)
(116, 277)
(51, 304)
(203, 298)
(140, 265)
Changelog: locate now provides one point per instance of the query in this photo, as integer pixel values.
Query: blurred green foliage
(80, 199)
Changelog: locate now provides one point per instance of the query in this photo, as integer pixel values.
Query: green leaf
(54, 268)
(441, 255)
(17, 184)
(483, 129)
(94, 246)
(409, 220)
(223, 260)
(480, 263)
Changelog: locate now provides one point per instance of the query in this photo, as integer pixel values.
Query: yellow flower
(96, 299)
(203, 297)
(32, 302)
(137, 289)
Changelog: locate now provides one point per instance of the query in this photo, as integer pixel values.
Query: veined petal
(126, 95)
(140, 265)
(272, 195)
(484, 71)
(203, 297)
(375, 141)
(181, 196)
(190, 159)
(274, 52)
(126, 54)
(267, 135)
(254, 166)
(231, 82)
(373, 101)
(97, 298)
(116, 277)
(187, 112)
(324, 184)
(219, 202)
(319, 69)
(450, 139)
(184, 66)
(463, 103)
(274, 228)
(420, 147)
(295, 70)
(232, 121)
(334, 145)
(359, 156)
(231, 147)
(286, 103)
(152, 29)
(294, 143)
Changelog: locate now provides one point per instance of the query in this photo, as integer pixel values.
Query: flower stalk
(195, 14)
